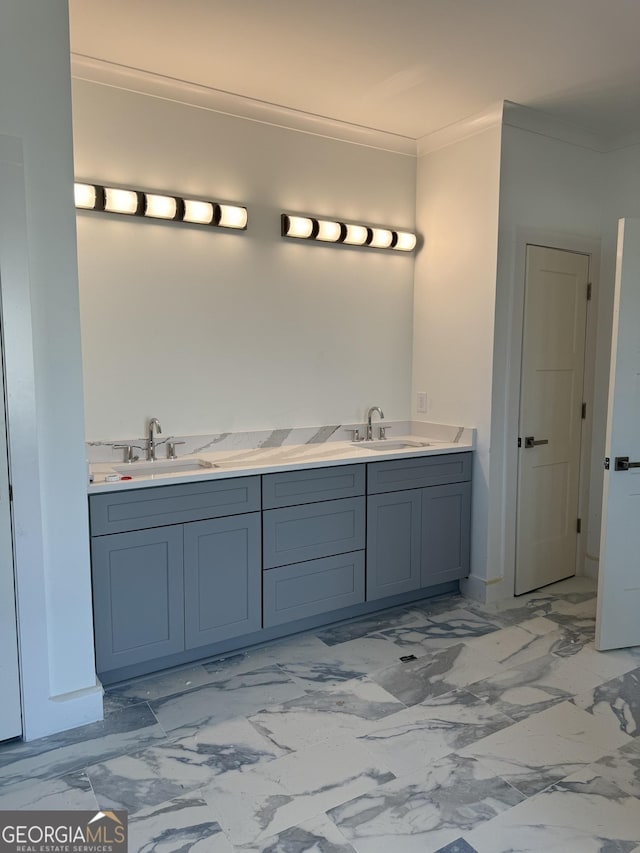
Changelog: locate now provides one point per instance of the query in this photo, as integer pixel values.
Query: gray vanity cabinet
(221, 579)
(394, 522)
(418, 523)
(194, 569)
(174, 567)
(313, 542)
(138, 596)
(446, 533)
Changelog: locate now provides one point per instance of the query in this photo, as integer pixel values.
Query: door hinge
(579, 525)
(584, 411)
(606, 463)
(589, 291)
(519, 442)
(10, 493)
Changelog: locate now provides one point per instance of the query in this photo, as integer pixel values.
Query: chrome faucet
(369, 427)
(151, 444)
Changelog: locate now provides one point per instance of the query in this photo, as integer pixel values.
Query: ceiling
(408, 67)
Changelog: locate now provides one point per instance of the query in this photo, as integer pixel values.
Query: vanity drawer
(138, 509)
(295, 534)
(291, 488)
(309, 589)
(400, 474)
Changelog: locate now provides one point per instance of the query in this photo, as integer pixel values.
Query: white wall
(455, 280)
(216, 331)
(551, 193)
(43, 366)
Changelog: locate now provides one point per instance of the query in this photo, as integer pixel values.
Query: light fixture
(161, 206)
(133, 202)
(85, 196)
(380, 238)
(329, 232)
(123, 201)
(406, 242)
(297, 226)
(199, 212)
(232, 217)
(357, 235)
(351, 234)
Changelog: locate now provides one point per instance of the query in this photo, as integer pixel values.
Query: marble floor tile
(515, 645)
(410, 739)
(617, 699)
(580, 623)
(325, 714)
(297, 787)
(574, 591)
(539, 751)
(318, 835)
(345, 662)
(72, 791)
(303, 648)
(442, 604)
(369, 653)
(424, 811)
(417, 639)
(156, 686)
(457, 846)
(356, 628)
(236, 695)
(532, 687)
(182, 824)
(622, 767)
(436, 673)
(160, 773)
(460, 624)
(582, 814)
(118, 734)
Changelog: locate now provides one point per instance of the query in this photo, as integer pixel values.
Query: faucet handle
(355, 433)
(128, 452)
(171, 449)
(383, 431)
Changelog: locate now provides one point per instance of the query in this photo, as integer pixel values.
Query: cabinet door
(138, 599)
(393, 543)
(446, 526)
(222, 578)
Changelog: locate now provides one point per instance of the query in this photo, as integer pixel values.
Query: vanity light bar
(328, 231)
(157, 206)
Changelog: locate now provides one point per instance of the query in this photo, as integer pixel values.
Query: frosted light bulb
(160, 206)
(120, 201)
(85, 196)
(200, 212)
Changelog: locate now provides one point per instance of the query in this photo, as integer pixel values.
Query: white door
(10, 714)
(618, 619)
(555, 318)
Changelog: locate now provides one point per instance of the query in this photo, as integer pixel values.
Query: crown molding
(192, 94)
(463, 129)
(536, 121)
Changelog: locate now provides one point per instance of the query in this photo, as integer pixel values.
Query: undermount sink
(164, 466)
(389, 444)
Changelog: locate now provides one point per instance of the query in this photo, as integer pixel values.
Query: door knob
(622, 463)
(530, 441)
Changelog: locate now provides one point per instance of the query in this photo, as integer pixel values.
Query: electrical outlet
(422, 401)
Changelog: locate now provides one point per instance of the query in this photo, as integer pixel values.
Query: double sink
(195, 464)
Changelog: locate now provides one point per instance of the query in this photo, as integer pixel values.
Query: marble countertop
(242, 463)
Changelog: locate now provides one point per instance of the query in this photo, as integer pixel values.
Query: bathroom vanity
(222, 559)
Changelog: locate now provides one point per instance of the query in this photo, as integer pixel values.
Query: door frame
(9, 584)
(506, 403)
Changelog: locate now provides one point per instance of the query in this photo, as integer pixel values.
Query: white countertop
(243, 463)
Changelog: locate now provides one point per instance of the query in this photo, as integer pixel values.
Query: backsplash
(103, 451)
